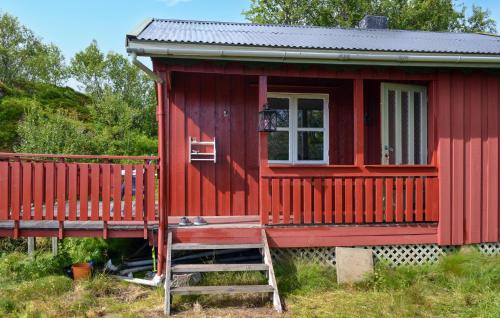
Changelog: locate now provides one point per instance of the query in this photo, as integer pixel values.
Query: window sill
(322, 165)
(307, 165)
(401, 166)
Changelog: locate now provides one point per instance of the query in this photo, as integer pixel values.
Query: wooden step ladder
(266, 266)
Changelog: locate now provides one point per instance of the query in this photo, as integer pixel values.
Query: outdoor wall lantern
(268, 119)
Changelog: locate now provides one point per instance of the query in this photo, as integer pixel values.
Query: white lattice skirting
(393, 254)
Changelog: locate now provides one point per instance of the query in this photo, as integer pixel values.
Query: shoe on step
(184, 221)
(199, 221)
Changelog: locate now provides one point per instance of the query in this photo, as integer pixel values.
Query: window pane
(282, 106)
(310, 145)
(278, 145)
(404, 127)
(392, 126)
(310, 113)
(418, 122)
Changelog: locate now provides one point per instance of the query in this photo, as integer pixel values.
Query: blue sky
(72, 24)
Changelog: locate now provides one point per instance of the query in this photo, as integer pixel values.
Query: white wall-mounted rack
(198, 151)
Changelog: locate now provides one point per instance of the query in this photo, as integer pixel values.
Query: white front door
(404, 124)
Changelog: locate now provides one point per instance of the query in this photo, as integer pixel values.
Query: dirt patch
(198, 311)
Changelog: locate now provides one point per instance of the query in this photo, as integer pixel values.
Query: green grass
(465, 284)
(460, 285)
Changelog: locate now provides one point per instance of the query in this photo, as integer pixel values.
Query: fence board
(428, 201)
(431, 200)
(389, 199)
(15, 197)
(379, 200)
(38, 190)
(150, 192)
(358, 200)
(328, 198)
(275, 200)
(318, 204)
(307, 201)
(61, 191)
(409, 200)
(297, 201)
(50, 179)
(4, 190)
(139, 193)
(117, 192)
(27, 186)
(348, 201)
(84, 191)
(95, 190)
(106, 191)
(127, 198)
(265, 201)
(286, 201)
(72, 190)
(399, 200)
(369, 200)
(338, 201)
(419, 200)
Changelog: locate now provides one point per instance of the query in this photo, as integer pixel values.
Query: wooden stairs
(265, 266)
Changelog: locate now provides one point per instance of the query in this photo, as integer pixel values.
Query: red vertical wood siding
(463, 144)
(205, 106)
(467, 133)
(341, 120)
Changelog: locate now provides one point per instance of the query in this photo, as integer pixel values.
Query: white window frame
(384, 111)
(293, 128)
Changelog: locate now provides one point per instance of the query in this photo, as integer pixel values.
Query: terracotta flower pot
(81, 271)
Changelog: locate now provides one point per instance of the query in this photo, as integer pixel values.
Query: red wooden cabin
(383, 137)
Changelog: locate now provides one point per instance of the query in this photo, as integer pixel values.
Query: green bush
(8, 245)
(85, 249)
(17, 267)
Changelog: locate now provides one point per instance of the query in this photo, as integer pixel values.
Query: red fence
(349, 200)
(35, 187)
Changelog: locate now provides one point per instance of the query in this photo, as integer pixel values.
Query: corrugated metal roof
(305, 37)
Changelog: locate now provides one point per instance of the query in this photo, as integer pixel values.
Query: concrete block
(353, 264)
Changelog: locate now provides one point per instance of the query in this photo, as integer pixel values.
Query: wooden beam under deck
(236, 230)
(312, 236)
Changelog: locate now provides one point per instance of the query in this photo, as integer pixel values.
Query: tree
(87, 67)
(480, 21)
(59, 133)
(427, 15)
(109, 129)
(23, 56)
(115, 132)
(101, 74)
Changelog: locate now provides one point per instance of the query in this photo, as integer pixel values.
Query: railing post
(31, 245)
(264, 217)
(54, 242)
(161, 114)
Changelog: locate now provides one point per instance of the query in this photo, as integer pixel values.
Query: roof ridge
(314, 26)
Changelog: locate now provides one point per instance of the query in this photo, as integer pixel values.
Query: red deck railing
(62, 188)
(349, 200)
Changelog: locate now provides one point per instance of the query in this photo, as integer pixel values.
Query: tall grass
(465, 284)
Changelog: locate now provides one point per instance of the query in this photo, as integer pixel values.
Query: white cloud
(171, 3)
